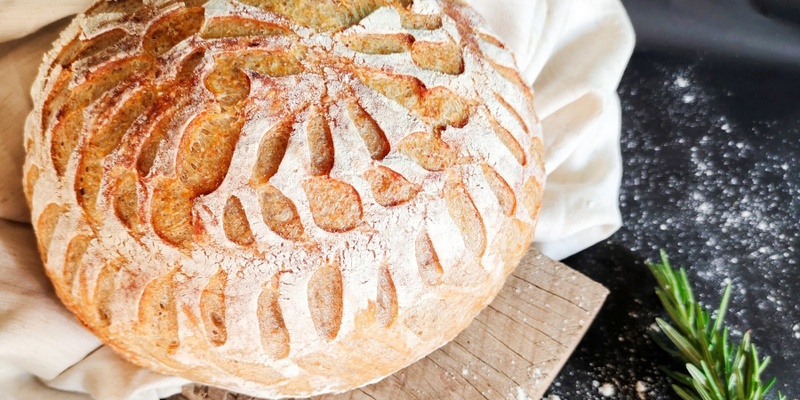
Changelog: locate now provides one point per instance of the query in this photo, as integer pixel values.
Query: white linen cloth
(572, 51)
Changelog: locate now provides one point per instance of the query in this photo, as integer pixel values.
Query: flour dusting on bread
(283, 198)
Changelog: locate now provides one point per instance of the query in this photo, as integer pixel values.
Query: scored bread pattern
(261, 189)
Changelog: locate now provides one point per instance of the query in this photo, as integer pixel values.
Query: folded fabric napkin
(572, 51)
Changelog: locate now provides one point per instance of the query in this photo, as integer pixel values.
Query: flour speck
(607, 390)
(641, 389)
(521, 395)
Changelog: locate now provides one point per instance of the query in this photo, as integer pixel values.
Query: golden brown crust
(279, 198)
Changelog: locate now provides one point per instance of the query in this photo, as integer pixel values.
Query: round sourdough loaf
(282, 198)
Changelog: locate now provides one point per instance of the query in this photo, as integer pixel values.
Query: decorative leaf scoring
(444, 57)
(324, 16)
(105, 289)
(69, 127)
(464, 213)
(229, 85)
(235, 26)
(171, 212)
(206, 151)
(188, 69)
(272, 150)
(405, 90)
(106, 78)
(68, 53)
(513, 76)
(274, 335)
(31, 178)
(65, 139)
(335, 205)
(85, 49)
(428, 261)
(507, 138)
(158, 314)
(389, 43)
(274, 63)
(228, 81)
(171, 100)
(390, 188)
(503, 192)
(443, 107)
(103, 143)
(151, 145)
(532, 197)
(172, 29)
(234, 221)
(46, 226)
(124, 7)
(428, 151)
(429, 22)
(280, 214)
(75, 251)
(372, 134)
(439, 106)
(491, 40)
(195, 3)
(212, 308)
(325, 300)
(320, 142)
(512, 111)
(536, 151)
(57, 97)
(387, 297)
(126, 204)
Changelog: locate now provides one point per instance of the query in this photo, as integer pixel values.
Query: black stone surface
(760, 30)
(712, 175)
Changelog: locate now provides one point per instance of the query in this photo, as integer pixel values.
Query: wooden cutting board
(512, 350)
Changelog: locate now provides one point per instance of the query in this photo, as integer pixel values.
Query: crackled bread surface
(284, 198)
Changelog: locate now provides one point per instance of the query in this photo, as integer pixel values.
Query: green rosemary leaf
(681, 378)
(723, 308)
(714, 381)
(763, 365)
(769, 386)
(685, 394)
(686, 349)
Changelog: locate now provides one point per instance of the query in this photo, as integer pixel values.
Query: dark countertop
(712, 175)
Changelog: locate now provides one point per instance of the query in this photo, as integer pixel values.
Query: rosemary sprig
(716, 369)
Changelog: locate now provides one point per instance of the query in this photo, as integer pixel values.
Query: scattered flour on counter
(521, 395)
(537, 375)
(720, 193)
